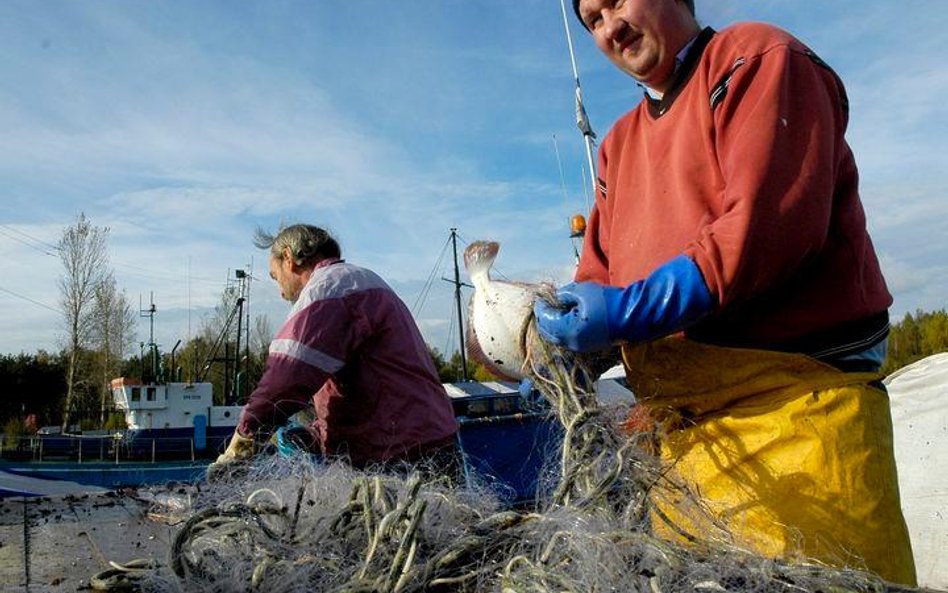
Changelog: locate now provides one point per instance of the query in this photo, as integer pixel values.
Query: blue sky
(181, 125)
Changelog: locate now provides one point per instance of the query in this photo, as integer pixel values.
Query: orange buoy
(577, 225)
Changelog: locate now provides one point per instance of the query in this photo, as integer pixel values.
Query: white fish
(498, 316)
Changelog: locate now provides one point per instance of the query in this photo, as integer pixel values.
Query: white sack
(919, 396)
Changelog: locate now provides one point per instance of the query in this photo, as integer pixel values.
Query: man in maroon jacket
(351, 349)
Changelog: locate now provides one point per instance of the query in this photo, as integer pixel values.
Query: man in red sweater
(728, 214)
(351, 349)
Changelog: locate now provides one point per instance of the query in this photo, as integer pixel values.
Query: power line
(423, 295)
(27, 243)
(26, 298)
(139, 271)
(29, 236)
(152, 274)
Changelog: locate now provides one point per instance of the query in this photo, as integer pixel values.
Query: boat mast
(242, 282)
(240, 291)
(457, 301)
(582, 121)
(152, 347)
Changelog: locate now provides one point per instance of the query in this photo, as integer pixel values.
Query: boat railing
(115, 448)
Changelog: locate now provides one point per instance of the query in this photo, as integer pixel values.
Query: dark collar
(658, 107)
(328, 262)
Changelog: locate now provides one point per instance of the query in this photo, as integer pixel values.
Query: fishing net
(291, 524)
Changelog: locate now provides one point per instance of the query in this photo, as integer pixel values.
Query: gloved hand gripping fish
(499, 315)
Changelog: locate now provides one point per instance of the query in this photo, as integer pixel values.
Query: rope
(423, 295)
(123, 577)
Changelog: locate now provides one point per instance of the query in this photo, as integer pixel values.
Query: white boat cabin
(170, 405)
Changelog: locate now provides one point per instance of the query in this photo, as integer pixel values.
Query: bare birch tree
(218, 333)
(82, 250)
(113, 331)
(259, 349)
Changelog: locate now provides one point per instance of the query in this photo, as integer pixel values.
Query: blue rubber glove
(293, 439)
(592, 316)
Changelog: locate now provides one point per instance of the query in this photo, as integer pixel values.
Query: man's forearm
(285, 388)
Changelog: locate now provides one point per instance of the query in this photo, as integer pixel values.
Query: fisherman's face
(284, 273)
(641, 37)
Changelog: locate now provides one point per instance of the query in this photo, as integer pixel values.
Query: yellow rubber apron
(791, 458)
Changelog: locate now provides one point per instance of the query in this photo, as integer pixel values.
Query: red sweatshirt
(351, 345)
(743, 167)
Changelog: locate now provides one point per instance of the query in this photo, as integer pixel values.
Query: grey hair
(308, 244)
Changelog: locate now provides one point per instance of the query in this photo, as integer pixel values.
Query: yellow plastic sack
(790, 457)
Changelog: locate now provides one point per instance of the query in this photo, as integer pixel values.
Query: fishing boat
(174, 432)
(172, 419)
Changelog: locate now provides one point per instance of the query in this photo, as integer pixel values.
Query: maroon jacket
(351, 345)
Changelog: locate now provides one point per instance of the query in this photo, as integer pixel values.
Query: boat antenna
(457, 300)
(243, 284)
(191, 355)
(152, 347)
(250, 277)
(582, 120)
(571, 222)
(585, 190)
(559, 165)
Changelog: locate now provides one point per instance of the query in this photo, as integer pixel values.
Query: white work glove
(240, 448)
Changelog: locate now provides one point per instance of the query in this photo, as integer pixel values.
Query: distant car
(50, 430)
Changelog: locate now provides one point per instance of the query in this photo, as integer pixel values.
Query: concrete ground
(56, 544)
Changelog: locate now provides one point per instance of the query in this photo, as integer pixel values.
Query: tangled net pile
(292, 525)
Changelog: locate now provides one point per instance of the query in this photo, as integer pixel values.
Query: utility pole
(242, 281)
(247, 330)
(457, 300)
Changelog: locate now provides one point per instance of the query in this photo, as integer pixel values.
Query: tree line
(33, 389)
(36, 384)
(71, 388)
(918, 335)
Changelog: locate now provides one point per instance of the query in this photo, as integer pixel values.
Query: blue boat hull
(175, 443)
(102, 475)
(507, 446)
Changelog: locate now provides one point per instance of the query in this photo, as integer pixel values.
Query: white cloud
(181, 127)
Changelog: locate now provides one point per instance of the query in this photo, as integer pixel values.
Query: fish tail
(479, 256)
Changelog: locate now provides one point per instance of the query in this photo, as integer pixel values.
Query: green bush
(13, 431)
(115, 421)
